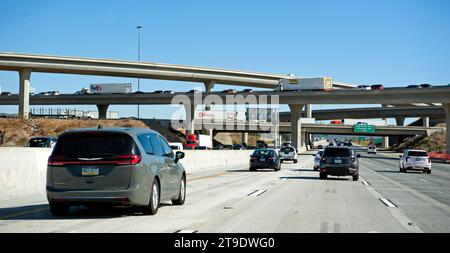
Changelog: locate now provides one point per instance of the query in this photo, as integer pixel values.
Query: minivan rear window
(337, 152)
(95, 145)
(417, 153)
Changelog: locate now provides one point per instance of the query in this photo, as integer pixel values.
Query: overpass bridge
(399, 113)
(285, 127)
(440, 94)
(25, 64)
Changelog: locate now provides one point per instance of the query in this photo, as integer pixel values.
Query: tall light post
(139, 59)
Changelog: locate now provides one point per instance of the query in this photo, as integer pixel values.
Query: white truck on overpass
(110, 88)
(321, 83)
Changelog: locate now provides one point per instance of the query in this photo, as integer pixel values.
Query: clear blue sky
(394, 42)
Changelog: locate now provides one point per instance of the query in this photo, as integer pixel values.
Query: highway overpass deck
(373, 112)
(148, 70)
(437, 94)
(285, 127)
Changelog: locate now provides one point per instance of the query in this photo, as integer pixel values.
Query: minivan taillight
(128, 159)
(56, 161)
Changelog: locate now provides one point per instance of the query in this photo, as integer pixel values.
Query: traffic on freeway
(107, 190)
(203, 125)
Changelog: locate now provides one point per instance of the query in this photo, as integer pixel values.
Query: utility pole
(139, 59)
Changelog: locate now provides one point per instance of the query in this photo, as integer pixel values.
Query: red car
(377, 87)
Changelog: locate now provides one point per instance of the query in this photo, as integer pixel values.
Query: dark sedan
(265, 159)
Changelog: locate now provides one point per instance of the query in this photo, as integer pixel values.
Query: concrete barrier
(201, 160)
(23, 170)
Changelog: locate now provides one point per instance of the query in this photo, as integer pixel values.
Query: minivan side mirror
(178, 156)
(358, 156)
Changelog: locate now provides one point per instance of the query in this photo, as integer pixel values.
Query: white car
(288, 153)
(372, 150)
(317, 158)
(415, 160)
(364, 87)
(176, 145)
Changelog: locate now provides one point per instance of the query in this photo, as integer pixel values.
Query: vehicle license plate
(262, 159)
(337, 161)
(90, 171)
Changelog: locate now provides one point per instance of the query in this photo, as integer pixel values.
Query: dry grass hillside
(18, 133)
(433, 143)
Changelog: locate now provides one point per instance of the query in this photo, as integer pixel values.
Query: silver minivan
(116, 166)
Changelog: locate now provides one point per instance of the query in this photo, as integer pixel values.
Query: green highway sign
(364, 128)
(378, 141)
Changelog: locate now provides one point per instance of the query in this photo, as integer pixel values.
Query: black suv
(339, 161)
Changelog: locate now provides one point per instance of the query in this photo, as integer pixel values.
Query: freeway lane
(236, 200)
(423, 198)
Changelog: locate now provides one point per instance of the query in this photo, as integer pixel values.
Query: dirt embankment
(433, 143)
(17, 133)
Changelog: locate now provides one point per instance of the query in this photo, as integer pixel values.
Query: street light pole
(139, 59)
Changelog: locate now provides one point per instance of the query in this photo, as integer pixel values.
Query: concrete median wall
(23, 170)
(202, 160)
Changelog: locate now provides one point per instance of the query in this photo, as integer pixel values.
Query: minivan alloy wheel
(155, 196)
(182, 194)
(182, 190)
(153, 205)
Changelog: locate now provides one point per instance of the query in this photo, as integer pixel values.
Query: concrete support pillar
(426, 121)
(386, 138)
(400, 121)
(190, 118)
(24, 93)
(447, 121)
(209, 87)
(296, 126)
(308, 111)
(102, 111)
(244, 137)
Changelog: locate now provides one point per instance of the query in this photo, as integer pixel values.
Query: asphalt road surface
(292, 200)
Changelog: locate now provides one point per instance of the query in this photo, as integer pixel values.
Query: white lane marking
(388, 203)
(256, 193)
(186, 231)
(425, 181)
(365, 183)
(261, 193)
(251, 193)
